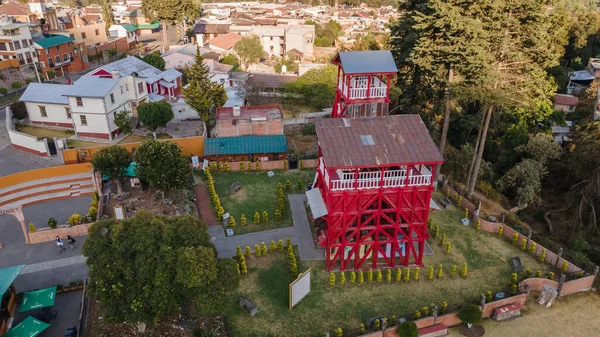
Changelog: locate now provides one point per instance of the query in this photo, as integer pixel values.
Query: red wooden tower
(363, 83)
(375, 175)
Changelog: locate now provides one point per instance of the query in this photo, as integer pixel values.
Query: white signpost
(300, 288)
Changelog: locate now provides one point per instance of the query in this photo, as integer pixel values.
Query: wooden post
(561, 283)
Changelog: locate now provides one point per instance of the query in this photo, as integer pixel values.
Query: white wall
(94, 110)
(178, 60)
(23, 140)
(56, 113)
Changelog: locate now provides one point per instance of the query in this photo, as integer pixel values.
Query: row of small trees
(262, 250)
(436, 233)
(399, 275)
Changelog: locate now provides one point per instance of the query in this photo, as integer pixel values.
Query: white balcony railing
(359, 87)
(368, 180)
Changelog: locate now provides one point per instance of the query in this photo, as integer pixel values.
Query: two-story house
(61, 54)
(89, 106)
(124, 30)
(186, 56)
(16, 44)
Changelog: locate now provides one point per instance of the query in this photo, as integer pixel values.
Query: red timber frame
(376, 222)
(342, 101)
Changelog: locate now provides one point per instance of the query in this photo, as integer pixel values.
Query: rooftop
(189, 50)
(46, 93)
(366, 62)
(245, 145)
(249, 112)
(270, 81)
(562, 99)
(130, 65)
(128, 27)
(211, 28)
(91, 86)
(397, 139)
(225, 41)
(54, 40)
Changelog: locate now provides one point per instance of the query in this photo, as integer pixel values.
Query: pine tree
(272, 246)
(257, 250)
(263, 248)
(169, 12)
(280, 245)
(256, 220)
(247, 253)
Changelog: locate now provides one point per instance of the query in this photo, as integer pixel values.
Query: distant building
(124, 30)
(206, 31)
(249, 121)
(61, 54)
(565, 103)
(246, 148)
(16, 44)
(35, 11)
(186, 56)
(224, 43)
(278, 40)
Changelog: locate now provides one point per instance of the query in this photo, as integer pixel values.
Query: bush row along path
(300, 234)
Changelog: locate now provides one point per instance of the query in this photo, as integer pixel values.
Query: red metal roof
(398, 139)
(566, 99)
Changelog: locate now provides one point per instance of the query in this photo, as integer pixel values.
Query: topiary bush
(470, 315)
(408, 329)
(500, 231)
(19, 111)
(52, 223)
(331, 279)
(430, 273)
(352, 277)
(463, 270)
(74, 220)
(370, 276)
(342, 278)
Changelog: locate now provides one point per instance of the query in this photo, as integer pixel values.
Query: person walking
(59, 242)
(71, 242)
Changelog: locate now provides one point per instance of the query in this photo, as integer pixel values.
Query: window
(10, 45)
(65, 57)
(112, 98)
(76, 51)
(30, 42)
(141, 87)
(83, 35)
(43, 112)
(79, 101)
(97, 32)
(47, 51)
(121, 89)
(83, 119)
(155, 88)
(17, 45)
(50, 63)
(70, 55)
(114, 115)
(3, 46)
(126, 87)
(24, 43)
(58, 48)
(68, 111)
(57, 58)
(72, 36)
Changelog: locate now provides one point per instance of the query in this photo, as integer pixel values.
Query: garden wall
(45, 235)
(271, 165)
(23, 141)
(44, 173)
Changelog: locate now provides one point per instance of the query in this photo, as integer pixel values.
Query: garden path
(203, 202)
(300, 234)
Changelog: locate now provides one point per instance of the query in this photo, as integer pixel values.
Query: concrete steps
(45, 189)
(50, 196)
(72, 179)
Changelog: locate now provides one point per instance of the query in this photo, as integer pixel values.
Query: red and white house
(166, 84)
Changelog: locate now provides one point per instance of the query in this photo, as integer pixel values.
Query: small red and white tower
(363, 83)
(373, 188)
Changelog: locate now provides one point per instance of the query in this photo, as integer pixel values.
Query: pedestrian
(59, 243)
(71, 242)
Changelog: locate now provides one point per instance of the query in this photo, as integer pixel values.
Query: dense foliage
(112, 162)
(146, 267)
(154, 59)
(315, 88)
(162, 165)
(249, 50)
(326, 34)
(155, 114)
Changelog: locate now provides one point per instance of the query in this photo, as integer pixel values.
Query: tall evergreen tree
(202, 94)
(107, 13)
(169, 12)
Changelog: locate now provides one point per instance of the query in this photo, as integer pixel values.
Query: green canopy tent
(30, 327)
(38, 299)
(7, 277)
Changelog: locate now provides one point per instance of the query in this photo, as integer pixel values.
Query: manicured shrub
(564, 266)
(93, 212)
(408, 329)
(478, 225)
(342, 278)
(280, 245)
(243, 220)
(416, 274)
(288, 242)
(513, 278)
(500, 231)
(377, 324)
(388, 275)
(430, 224)
(430, 273)
(242, 166)
(453, 272)
(238, 250)
(52, 223)
(398, 274)
(294, 269)
(515, 238)
(220, 166)
(248, 252)
(277, 214)
(361, 327)
(463, 270)
(532, 246)
(440, 271)
(470, 314)
(3, 91)
(265, 217)
(447, 193)
(285, 164)
(443, 307)
(527, 273)
(379, 276)
(352, 277)
(459, 201)
(263, 248)
(299, 184)
(361, 277)
(551, 275)
(243, 268)
(272, 246)
(257, 165)
(288, 184)
(436, 232)
(231, 221)
(257, 250)
(370, 276)
(227, 166)
(542, 257)
(488, 296)
(523, 244)
(301, 164)
(279, 187)
(75, 219)
(513, 289)
(32, 228)
(417, 314)
(256, 220)
(443, 240)
(331, 279)
(16, 85)
(538, 273)
(425, 311)
(447, 250)
(406, 274)
(466, 213)
(220, 212)
(338, 332)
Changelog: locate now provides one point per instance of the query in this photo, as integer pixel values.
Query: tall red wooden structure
(374, 181)
(363, 83)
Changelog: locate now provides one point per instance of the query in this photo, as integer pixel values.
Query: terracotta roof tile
(225, 41)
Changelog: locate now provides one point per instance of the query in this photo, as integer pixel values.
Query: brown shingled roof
(398, 139)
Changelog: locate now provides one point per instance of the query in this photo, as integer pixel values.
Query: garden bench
(246, 304)
(517, 264)
(235, 187)
(445, 202)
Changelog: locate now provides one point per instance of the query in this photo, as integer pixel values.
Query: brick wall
(246, 127)
(50, 234)
(120, 44)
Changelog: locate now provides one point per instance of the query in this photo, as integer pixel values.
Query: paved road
(299, 233)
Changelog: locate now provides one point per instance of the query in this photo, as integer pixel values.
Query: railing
(367, 180)
(359, 87)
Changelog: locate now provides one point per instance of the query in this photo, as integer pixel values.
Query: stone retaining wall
(46, 235)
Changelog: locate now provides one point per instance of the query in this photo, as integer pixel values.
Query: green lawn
(258, 194)
(327, 308)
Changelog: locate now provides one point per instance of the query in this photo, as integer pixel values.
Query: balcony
(360, 88)
(339, 181)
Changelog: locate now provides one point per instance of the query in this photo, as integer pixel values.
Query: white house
(122, 30)
(89, 106)
(186, 56)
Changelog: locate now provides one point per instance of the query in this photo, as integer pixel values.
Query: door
(51, 146)
(292, 161)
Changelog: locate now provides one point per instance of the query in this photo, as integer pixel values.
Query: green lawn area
(327, 308)
(43, 132)
(258, 194)
(137, 138)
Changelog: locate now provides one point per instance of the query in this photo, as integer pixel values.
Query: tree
(408, 329)
(249, 49)
(154, 59)
(289, 62)
(123, 121)
(202, 94)
(162, 165)
(169, 12)
(107, 13)
(232, 60)
(315, 88)
(470, 315)
(154, 115)
(112, 162)
(327, 34)
(147, 267)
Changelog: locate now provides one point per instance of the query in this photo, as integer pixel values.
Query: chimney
(115, 74)
(237, 111)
